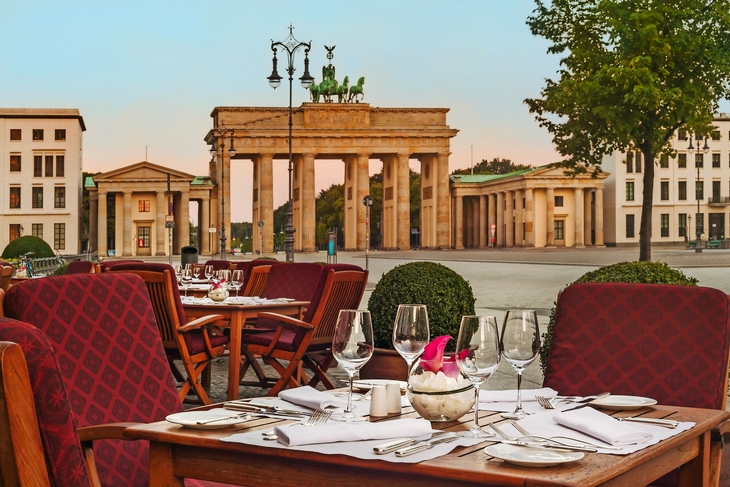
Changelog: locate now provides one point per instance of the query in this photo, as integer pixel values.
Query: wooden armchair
(6, 275)
(256, 281)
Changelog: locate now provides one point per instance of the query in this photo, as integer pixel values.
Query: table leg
(161, 474)
(234, 356)
(697, 471)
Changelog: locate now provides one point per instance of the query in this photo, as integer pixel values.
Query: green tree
(633, 72)
(495, 166)
(330, 213)
(85, 207)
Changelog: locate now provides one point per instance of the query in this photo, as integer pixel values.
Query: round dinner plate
(190, 419)
(623, 402)
(366, 385)
(532, 457)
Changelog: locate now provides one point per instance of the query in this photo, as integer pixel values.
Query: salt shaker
(378, 402)
(392, 392)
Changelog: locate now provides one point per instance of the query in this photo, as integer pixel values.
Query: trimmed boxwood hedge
(644, 272)
(446, 294)
(25, 244)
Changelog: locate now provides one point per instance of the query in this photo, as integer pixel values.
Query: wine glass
(187, 279)
(352, 347)
(410, 333)
(477, 356)
(224, 276)
(196, 272)
(178, 273)
(237, 280)
(208, 272)
(519, 345)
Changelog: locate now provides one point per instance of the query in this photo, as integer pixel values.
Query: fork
(318, 418)
(543, 439)
(544, 402)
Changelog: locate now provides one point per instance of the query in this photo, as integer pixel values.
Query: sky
(146, 75)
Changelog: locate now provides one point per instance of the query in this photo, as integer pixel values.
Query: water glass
(208, 272)
(187, 279)
(237, 280)
(520, 346)
(352, 347)
(410, 332)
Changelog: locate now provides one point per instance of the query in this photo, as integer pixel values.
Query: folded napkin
(333, 431)
(511, 395)
(312, 398)
(598, 425)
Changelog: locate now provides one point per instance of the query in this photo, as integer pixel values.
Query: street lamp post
(698, 222)
(368, 202)
(222, 132)
(290, 45)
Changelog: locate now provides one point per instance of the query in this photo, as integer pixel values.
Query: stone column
(160, 229)
(509, 219)
(529, 218)
(204, 225)
(184, 222)
(308, 204)
(127, 224)
(492, 216)
(588, 218)
(519, 234)
(475, 222)
(469, 222)
(363, 189)
(459, 230)
(443, 201)
(578, 217)
(483, 222)
(266, 201)
(500, 220)
(599, 217)
(93, 221)
(550, 225)
(403, 202)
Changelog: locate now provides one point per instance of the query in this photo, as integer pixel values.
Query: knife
(551, 446)
(422, 446)
(592, 398)
(266, 410)
(667, 423)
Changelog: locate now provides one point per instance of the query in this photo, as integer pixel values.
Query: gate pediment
(143, 171)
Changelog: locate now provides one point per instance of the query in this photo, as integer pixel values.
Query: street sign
(169, 224)
(211, 230)
(261, 223)
(169, 218)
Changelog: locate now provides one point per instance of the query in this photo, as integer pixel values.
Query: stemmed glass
(178, 273)
(352, 347)
(477, 356)
(224, 276)
(519, 345)
(237, 280)
(410, 333)
(187, 279)
(208, 272)
(196, 272)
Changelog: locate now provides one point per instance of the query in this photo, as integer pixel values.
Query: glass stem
(519, 390)
(476, 406)
(349, 396)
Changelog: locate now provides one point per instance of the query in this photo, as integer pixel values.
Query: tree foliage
(495, 166)
(633, 72)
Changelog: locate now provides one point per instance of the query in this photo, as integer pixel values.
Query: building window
(629, 226)
(59, 197)
(143, 237)
(558, 201)
(37, 230)
(15, 163)
(715, 135)
(681, 160)
(682, 224)
(716, 191)
(15, 134)
(664, 190)
(682, 190)
(15, 197)
(59, 236)
(60, 134)
(699, 160)
(37, 197)
(715, 160)
(638, 162)
(559, 229)
(60, 163)
(629, 191)
(37, 134)
(664, 219)
(37, 166)
(664, 161)
(49, 166)
(699, 190)
(144, 206)
(629, 162)
(682, 134)
(14, 231)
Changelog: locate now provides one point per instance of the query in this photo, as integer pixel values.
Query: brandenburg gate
(354, 133)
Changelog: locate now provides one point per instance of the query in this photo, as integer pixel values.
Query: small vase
(218, 294)
(438, 397)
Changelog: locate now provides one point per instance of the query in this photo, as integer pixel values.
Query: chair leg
(319, 369)
(249, 360)
(286, 375)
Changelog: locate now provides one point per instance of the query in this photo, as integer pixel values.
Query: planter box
(385, 364)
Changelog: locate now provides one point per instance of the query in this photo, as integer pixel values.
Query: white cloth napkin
(511, 395)
(296, 435)
(312, 398)
(598, 425)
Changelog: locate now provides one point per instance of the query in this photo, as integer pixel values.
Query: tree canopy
(633, 72)
(495, 166)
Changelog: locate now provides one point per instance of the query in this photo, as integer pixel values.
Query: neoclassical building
(355, 134)
(138, 197)
(541, 207)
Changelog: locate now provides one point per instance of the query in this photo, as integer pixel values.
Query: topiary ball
(446, 294)
(25, 244)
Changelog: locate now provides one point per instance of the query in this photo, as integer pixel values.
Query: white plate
(532, 457)
(366, 385)
(623, 402)
(190, 419)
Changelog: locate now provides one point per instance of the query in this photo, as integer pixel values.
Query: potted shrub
(632, 272)
(25, 244)
(446, 294)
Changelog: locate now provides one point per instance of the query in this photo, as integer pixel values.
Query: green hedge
(446, 294)
(25, 244)
(632, 272)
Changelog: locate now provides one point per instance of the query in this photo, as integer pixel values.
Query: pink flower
(217, 285)
(432, 359)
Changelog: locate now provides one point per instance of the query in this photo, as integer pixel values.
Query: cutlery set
(408, 446)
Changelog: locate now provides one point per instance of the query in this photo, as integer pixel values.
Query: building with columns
(137, 197)
(354, 134)
(541, 207)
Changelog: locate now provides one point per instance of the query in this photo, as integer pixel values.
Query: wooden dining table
(236, 316)
(177, 452)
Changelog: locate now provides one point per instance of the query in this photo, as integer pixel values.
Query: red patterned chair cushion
(247, 265)
(79, 267)
(218, 264)
(666, 342)
(104, 332)
(299, 281)
(64, 457)
(108, 264)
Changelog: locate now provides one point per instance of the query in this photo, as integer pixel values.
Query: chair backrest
(247, 265)
(33, 391)
(218, 265)
(103, 330)
(256, 283)
(666, 342)
(80, 267)
(294, 280)
(6, 275)
(108, 264)
(200, 267)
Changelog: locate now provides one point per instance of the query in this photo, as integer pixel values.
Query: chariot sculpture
(330, 88)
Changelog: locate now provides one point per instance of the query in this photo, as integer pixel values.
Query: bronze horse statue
(356, 90)
(342, 90)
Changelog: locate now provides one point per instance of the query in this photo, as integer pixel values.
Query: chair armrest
(110, 431)
(287, 319)
(199, 323)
